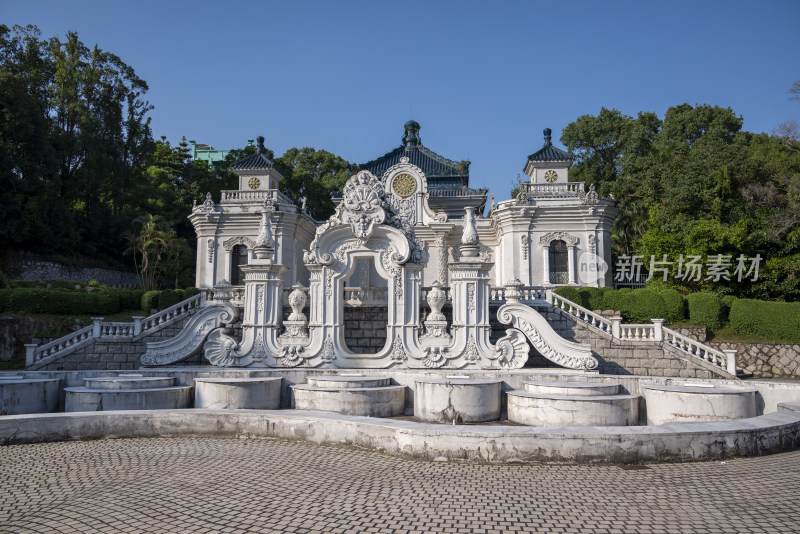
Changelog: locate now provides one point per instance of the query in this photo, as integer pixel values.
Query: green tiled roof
(439, 171)
(256, 162)
(550, 153)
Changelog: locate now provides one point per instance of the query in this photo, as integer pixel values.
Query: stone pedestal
(457, 400)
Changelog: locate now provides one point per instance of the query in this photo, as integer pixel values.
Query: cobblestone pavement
(232, 485)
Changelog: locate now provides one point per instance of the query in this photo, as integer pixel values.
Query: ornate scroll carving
(441, 242)
(228, 244)
(569, 239)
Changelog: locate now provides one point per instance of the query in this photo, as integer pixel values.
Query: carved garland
(569, 239)
(228, 244)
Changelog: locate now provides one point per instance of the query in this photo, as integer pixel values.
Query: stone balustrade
(101, 329)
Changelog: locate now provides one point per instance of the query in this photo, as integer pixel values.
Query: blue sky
(482, 78)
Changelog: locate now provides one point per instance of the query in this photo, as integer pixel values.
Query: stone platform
(19, 395)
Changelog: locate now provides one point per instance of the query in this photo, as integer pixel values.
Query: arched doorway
(238, 259)
(559, 262)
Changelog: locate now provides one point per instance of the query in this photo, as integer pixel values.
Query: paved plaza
(264, 485)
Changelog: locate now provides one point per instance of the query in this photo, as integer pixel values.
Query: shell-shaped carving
(220, 348)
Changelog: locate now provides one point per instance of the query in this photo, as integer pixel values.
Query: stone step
(82, 399)
(259, 393)
(384, 401)
(116, 383)
(345, 382)
(535, 409)
(571, 389)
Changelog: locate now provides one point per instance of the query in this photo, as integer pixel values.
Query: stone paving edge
(766, 434)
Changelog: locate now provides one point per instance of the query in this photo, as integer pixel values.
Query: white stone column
(571, 263)
(228, 275)
(546, 264)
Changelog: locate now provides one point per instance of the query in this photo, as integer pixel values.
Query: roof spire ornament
(547, 137)
(260, 144)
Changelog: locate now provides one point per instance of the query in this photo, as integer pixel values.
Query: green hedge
(150, 300)
(131, 299)
(779, 321)
(190, 292)
(705, 309)
(674, 305)
(167, 298)
(641, 305)
(59, 301)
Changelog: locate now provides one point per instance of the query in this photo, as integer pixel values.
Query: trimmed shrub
(705, 309)
(674, 305)
(150, 300)
(726, 301)
(570, 293)
(612, 300)
(130, 299)
(167, 298)
(103, 302)
(592, 296)
(779, 321)
(641, 305)
(190, 292)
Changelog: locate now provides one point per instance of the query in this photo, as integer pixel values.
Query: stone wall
(27, 269)
(766, 360)
(110, 354)
(365, 329)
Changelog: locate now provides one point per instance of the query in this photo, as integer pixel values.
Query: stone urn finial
(513, 290)
(265, 245)
(469, 239)
(297, 300)
(436, 299)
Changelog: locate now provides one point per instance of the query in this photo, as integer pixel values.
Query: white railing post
(96, 326)
(658, 331)
(731, 363)
(616, 321)
(30, 350)
(137, 324)
(548, 295)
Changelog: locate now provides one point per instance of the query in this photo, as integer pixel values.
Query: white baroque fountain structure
(381, 238)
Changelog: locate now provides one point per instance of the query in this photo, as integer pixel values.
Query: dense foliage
(82, 176)
(68, 301)
(695, 183)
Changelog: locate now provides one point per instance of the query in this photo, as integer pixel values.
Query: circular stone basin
(572, 389)
(534, 409)
(345, 382)
(668, 404)
(262, 393)
(457, 400)
(115, 383)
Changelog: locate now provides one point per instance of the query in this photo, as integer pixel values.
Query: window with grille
(559, 272)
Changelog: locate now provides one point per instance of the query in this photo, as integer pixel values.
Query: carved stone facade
(383, 249)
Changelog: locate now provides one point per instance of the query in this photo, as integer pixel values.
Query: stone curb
(766, 434)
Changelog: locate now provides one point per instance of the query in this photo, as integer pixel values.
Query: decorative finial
(411, 134)
(547, 136)
(260, 146)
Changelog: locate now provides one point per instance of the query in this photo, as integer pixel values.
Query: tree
(313, 175)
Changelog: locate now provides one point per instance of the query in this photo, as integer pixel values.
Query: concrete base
(386, 401)
(32, 395)
(589, 410)
(767, 434)
(238, 393)
(457, 400)
(129, 382)
(667, 404)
